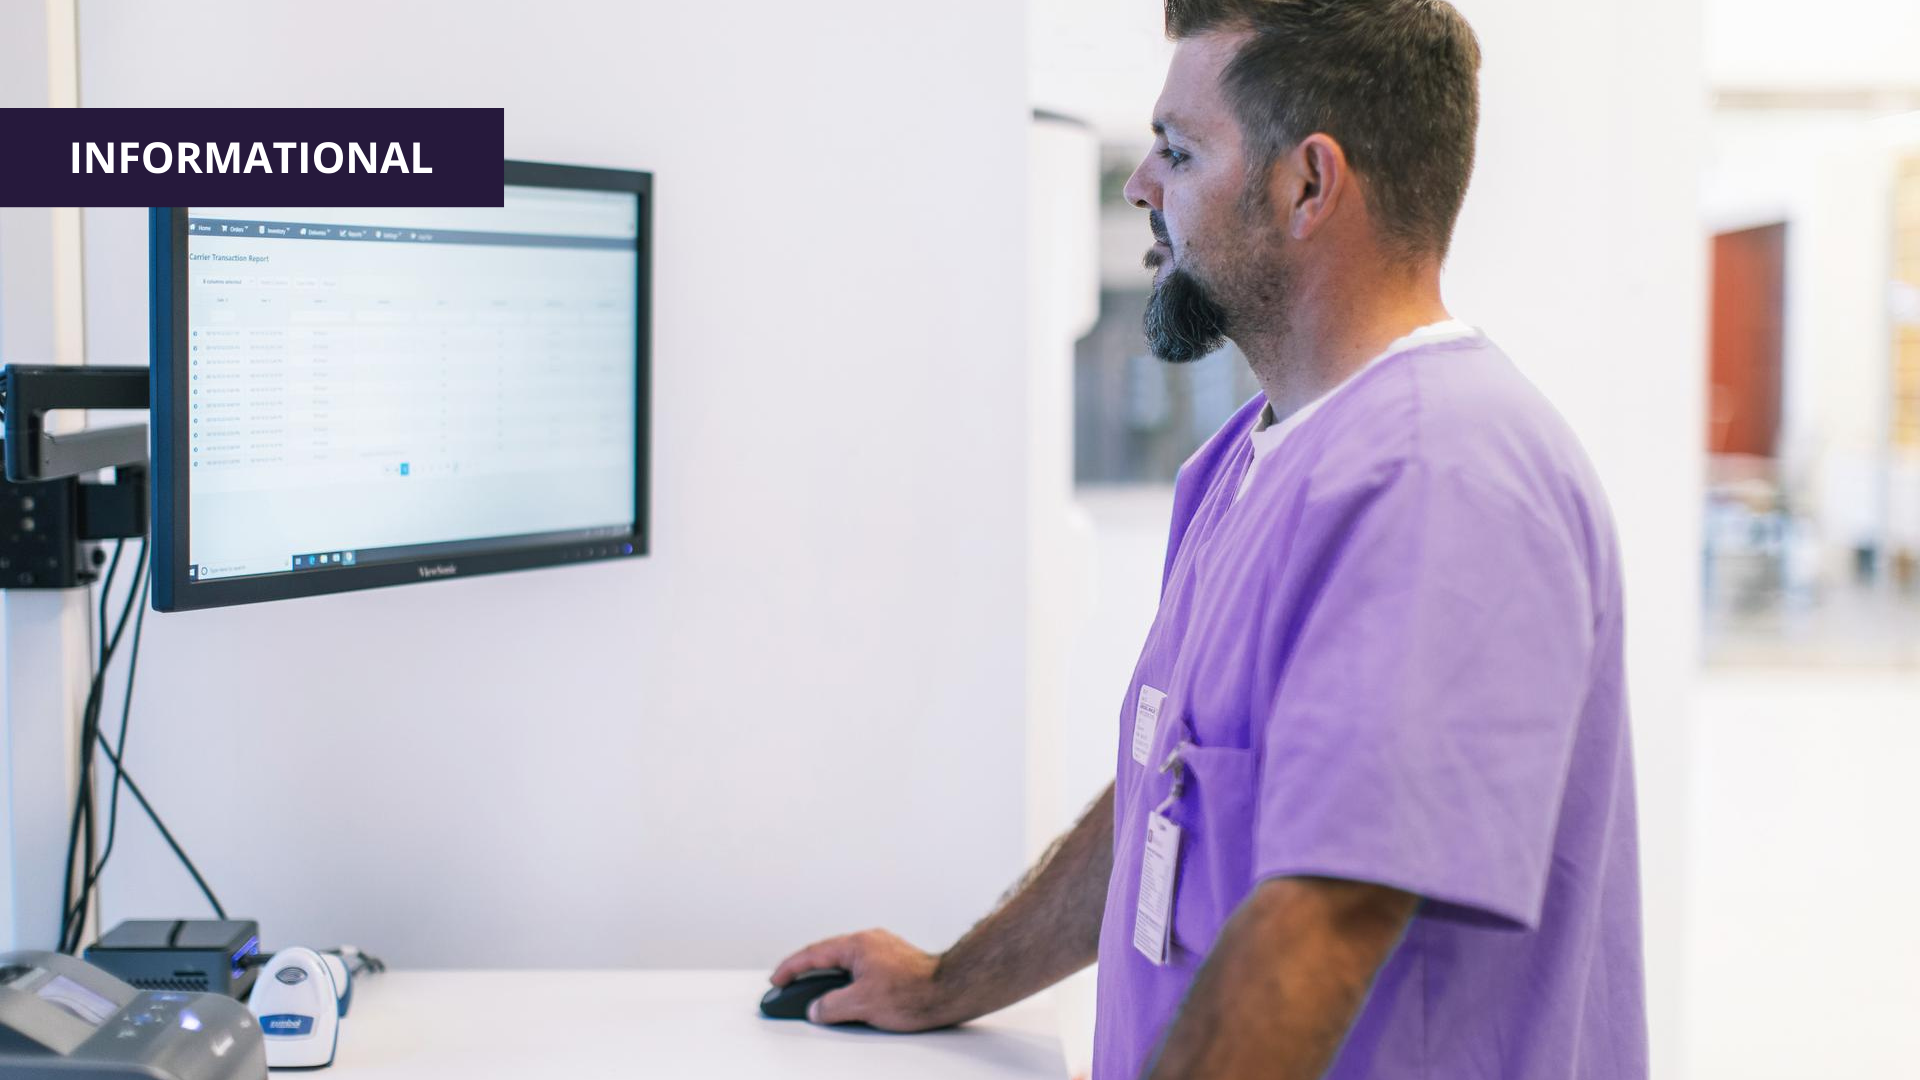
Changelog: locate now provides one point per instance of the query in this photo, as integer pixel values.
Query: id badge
(1159, 869)
(1153, 916)
(1146, 721)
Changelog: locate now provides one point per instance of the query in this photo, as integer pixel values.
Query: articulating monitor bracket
(28, 392)
(50, 519)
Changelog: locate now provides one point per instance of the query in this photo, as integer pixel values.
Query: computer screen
(352, 397)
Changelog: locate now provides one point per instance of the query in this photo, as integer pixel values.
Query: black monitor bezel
(174, 590)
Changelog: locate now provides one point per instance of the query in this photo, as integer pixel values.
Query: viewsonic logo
(445, 569)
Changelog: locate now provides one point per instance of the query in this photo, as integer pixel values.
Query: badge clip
(1178, 768)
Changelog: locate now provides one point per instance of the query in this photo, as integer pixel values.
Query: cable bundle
(78, 888)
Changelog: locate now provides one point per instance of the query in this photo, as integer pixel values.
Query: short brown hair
(1395, 82)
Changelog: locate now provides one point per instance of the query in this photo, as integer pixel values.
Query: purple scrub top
(1397, 659)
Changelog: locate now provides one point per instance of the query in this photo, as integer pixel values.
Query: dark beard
(1184, 322)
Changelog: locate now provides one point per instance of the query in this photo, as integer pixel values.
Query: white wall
(804, 713)
(1064, 298)
(44, 636)
(1100, 61)
(1580, 251)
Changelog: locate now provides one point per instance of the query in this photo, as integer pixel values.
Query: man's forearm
(1284, 981)
(1047, 928)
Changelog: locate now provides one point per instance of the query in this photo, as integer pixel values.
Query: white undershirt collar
(1268, 433)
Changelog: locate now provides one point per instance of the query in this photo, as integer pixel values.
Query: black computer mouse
(790, 1002)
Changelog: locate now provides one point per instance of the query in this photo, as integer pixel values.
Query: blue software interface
(389, 384)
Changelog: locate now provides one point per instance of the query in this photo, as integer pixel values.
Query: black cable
(140, 569)
(80, 837)
(72, 928)
(81, 823)
(76, 913)
(106, 585)
(120, 743)
(74, 830)
(165, 833)
(120, 749)
(358, 961)
(82, 802)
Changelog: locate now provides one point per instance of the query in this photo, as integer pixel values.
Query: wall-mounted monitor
(345, 398)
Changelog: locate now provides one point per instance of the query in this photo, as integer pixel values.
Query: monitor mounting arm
(29, 392)
(48, 514)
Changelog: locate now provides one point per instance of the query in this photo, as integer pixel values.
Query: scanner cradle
(63, 1019)
(298, 1002)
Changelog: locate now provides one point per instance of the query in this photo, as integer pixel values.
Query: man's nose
(1140, 191)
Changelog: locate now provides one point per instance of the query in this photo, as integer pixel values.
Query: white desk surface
(652, 1025)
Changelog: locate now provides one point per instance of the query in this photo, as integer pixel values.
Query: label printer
(63, 1019)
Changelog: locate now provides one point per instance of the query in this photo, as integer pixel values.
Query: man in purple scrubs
(1374, 807)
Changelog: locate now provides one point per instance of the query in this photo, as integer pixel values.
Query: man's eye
(1173, 157)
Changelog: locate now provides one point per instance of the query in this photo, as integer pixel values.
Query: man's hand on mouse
(893, 984)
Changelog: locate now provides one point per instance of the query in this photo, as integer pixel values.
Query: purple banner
(253, 157)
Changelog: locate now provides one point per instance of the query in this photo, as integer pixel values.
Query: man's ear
(1306, 185)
